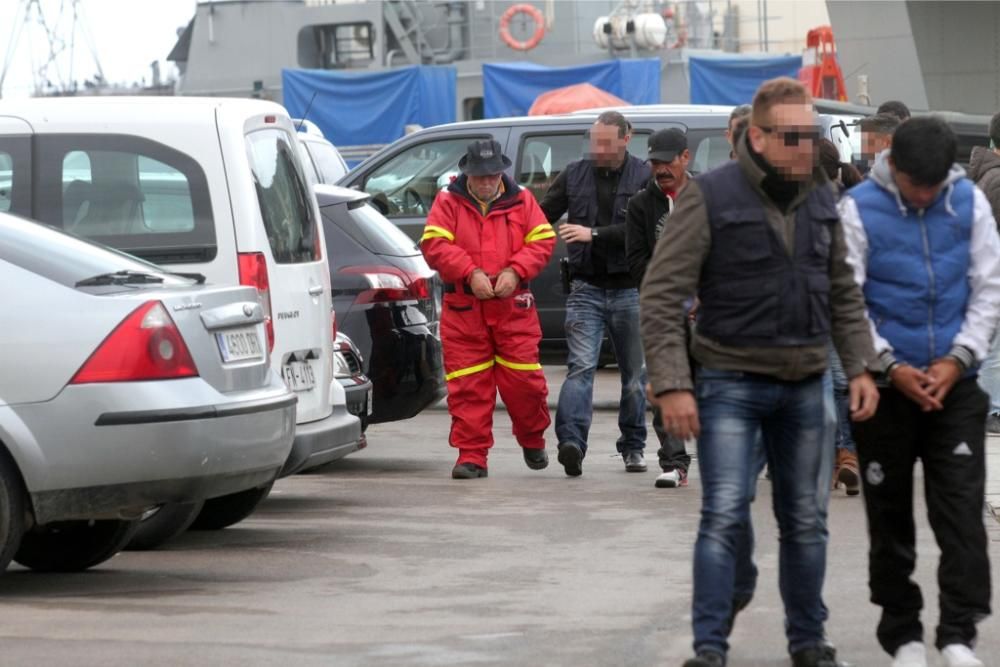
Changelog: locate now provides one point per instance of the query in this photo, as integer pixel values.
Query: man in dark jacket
(984, 169)
(594, 192)
(758, 239)
(647, 214)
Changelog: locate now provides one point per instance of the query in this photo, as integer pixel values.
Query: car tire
(219, 513)
(164, 524)
(11, 512)
(72, 546)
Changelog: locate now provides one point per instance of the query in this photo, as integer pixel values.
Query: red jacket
(458, 238)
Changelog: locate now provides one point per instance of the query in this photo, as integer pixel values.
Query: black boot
(537, 459)
(468, 471)
(706, 659)
(571, 458)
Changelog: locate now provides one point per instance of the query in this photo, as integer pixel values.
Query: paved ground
(383, 560)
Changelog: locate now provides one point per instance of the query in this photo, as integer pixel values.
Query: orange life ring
(535, 16)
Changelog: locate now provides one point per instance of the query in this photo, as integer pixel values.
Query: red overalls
(490, 344)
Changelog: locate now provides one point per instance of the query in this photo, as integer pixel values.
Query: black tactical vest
(753, 292)
(581, 192)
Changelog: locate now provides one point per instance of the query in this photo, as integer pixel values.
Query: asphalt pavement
(382, 559)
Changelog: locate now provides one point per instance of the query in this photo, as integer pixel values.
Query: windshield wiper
(120, 278)
(198, 278)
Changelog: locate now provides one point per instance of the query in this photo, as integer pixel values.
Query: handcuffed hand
(506, 283)
(480, 284)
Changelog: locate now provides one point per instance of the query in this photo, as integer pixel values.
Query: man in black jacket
(594, 193)
(647, 214)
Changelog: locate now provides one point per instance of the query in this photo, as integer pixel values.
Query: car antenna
(302, 121)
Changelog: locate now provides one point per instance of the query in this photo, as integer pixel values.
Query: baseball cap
(665, 145)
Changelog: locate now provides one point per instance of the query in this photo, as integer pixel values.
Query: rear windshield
(331, 166)
(126, 192)
(369, 228)
(65, 258)
(283, 197)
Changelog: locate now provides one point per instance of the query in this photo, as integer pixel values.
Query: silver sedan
(122, 388)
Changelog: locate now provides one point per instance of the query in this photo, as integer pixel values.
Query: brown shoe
(848, 472)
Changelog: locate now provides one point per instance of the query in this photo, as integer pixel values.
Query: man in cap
(487, 237)
(648, 211)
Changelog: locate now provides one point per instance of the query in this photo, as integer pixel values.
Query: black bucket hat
(484, 158)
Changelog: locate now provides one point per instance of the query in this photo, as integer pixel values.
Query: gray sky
(128, 35)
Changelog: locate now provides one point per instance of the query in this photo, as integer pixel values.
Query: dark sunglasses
(794, 137)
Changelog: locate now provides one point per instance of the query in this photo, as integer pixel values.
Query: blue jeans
(796, 422)
(842, 398)
(989, 375)
(588, 310)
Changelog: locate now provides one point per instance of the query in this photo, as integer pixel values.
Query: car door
(406, 181)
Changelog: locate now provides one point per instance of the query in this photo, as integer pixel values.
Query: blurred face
(789, 141)
(873, 143)
(484, 187)
(916, 195)
(607, 149)
(671, 175)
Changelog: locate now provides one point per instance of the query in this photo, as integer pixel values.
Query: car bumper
(359, 397)
(408, 379)
(99, 451)
(320, 442)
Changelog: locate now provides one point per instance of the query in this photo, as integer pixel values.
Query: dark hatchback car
(387, 300)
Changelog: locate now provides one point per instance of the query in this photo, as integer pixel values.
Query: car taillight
(253, 273)
(146, 345)
(387, 284)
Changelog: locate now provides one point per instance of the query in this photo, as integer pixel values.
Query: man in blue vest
(924, 245)
(758, 239)
(594, 192)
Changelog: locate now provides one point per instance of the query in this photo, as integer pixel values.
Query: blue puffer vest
(917, 285)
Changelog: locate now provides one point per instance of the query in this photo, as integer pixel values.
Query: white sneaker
(671, 479)
(912, 654)
(960, 655)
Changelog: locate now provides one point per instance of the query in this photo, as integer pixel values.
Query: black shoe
(537, 459)
(571, 459)
(706, 659)
(823, 655)
(634, 461)
(468, 471)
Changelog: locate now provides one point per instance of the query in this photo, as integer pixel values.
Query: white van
(208, 186)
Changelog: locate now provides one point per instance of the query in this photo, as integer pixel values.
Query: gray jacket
(984, 169)
(673, 276)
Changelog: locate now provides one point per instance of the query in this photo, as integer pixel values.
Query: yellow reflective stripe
(513, 365)
(540, 236)
(434, 232)
(461, 372)
(543, 231)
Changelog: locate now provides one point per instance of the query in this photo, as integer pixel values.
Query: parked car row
(174, 349)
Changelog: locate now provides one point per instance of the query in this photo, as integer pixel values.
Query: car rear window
(129, 193)
(331, 166)
(283, 197)
(65, 258)
(363, 223)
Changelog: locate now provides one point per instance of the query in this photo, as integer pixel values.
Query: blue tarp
(362, 108)
(735, 80)
(510, 88)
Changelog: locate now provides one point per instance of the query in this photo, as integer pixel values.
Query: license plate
(298, 375)
(240, 345)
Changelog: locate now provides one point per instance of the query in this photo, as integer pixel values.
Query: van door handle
(316, 290)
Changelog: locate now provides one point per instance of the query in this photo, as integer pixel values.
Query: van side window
(544, 157)
(711, 151)
(127, 192)
(6, 181)
(284, 199)
(410, 180)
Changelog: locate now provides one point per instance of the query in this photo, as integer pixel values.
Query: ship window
(337, 45)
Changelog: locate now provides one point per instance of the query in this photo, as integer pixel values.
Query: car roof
(104, 108)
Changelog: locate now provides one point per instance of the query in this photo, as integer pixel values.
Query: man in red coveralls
(487, 237)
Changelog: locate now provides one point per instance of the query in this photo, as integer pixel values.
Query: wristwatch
(593, 232)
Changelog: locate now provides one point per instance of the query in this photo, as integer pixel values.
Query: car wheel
(225, 511)
(11, 512)
(164, 524)
(71, 546)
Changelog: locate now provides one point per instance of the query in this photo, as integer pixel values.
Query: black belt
(452, 288)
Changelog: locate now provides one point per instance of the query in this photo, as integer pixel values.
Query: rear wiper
(198, 278)
(120, 278)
